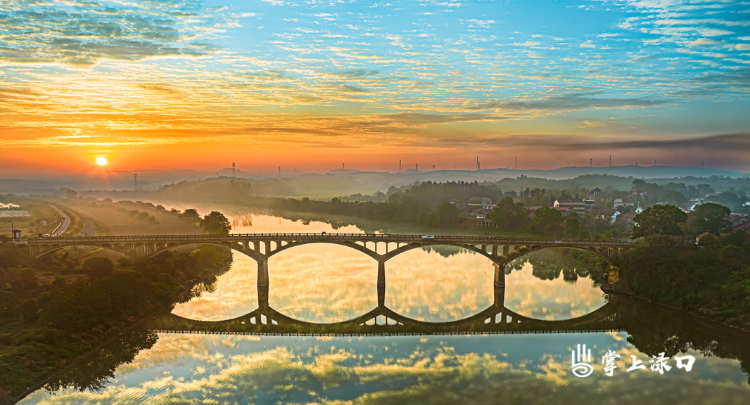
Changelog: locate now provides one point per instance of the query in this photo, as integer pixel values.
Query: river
(329, 283)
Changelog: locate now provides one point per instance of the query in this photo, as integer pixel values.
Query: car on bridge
(428, 237)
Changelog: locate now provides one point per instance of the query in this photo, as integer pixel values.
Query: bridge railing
(351, 236)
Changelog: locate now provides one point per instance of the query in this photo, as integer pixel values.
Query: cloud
(577, 101)
(726, 142)
(40, 32)
(704, 42)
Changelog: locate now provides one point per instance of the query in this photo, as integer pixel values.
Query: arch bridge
(380, 247)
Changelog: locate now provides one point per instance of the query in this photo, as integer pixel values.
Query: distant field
(119, 219)
(13, 214)
(40, 216)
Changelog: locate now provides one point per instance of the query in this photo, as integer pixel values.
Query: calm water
(330, 283)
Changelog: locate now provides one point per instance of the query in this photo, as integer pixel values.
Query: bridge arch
(492, 318)
(234, 246)
(56, 247)
(390, 255)
(351, 245)
(522, 253)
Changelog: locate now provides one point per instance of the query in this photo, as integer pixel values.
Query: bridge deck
(370, 237)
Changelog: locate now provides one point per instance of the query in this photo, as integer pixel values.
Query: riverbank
(79, 317)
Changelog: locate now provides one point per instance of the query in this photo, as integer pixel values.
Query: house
(743, 226)
(577, 205)
(629, 218)
(532, 211)
(484, 216)
(595, 194)
(737, 219)
(604, 213)
(624, 202)
(483, 202)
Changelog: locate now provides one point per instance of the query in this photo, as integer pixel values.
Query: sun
(101, 161)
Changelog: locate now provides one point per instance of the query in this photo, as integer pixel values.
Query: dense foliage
(660, 220)
(714, 276)
(42, 326)
(216, 223)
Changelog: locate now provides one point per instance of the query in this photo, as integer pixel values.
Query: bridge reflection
(384, 321)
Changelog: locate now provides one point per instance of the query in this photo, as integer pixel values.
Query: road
(63, 225)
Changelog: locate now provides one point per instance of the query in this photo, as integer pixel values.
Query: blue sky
(447, 79)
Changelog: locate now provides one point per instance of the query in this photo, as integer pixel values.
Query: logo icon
(581, 362)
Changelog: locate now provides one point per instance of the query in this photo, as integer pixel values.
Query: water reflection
(434, 286)
(537, 287)
(322, 282)
(430, 369)
(235, 293)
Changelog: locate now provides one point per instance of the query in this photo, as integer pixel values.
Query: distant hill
(350, 181)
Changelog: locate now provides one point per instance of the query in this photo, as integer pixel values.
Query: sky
(181, 84)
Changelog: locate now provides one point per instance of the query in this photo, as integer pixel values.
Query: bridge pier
(381, 282)
(499, 275)
(263, 282)
(499, 297)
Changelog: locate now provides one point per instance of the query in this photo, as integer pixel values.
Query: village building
(595, 194)
(629, 218)
(624, 202)
(484, 216)
(577, 205)
(483, 202)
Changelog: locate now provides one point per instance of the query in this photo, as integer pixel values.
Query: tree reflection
(94, 371)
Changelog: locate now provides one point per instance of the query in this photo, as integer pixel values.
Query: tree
(98, 267)
(30, 311)
(28, 278)
(216, 223)
(69, 194)
(8, 305)
(663, 220)
(547, 221)
(709, 217)
(510, 215)
(190, 215)
(571, 226)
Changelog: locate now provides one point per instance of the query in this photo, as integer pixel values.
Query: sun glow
(101, 161)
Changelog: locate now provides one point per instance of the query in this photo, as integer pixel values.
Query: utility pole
(135, 181)
(654, 162)
(516, 166)
(478, 167)
(610, 161)
(279, 171)
(702, 162)
(417, 167)
(232, 169)
(433, 168)
(591, 163)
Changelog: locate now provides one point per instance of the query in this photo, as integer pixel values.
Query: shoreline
(618, 289)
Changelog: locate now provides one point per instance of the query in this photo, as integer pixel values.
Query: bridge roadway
(380, 247)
